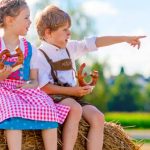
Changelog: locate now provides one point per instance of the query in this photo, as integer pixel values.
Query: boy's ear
(47, 32)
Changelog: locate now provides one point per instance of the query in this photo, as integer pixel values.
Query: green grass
(145, 140)
(136, 120)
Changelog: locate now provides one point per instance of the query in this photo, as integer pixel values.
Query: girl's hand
(82, 91)
(135, 40)
(31, 84)
(5, 72)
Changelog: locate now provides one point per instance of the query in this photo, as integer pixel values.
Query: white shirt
(75, 48)
(33, 61)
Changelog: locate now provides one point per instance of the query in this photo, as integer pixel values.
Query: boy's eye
(66, 30)
(27, 17)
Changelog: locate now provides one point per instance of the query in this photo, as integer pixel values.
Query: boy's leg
(70, 127)
(96, 121)
(50, 139)
(14, 139)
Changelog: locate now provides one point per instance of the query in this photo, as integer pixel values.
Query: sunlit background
(124, 83)
(114, 17)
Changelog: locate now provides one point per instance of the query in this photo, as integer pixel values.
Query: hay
(115, 138)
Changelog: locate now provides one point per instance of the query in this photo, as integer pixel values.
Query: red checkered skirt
(28, 103)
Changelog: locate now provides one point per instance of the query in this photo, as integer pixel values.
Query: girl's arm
(33, 82)
(34, 78)
(109, 40)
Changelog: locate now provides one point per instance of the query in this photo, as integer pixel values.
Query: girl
(22, 104)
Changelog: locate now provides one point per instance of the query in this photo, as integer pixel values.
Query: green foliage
(146, 95)
(99, 95)
(124, 94)
(133, 120)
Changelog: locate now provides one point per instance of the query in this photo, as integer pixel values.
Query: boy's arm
(71, 91)
(109, 40)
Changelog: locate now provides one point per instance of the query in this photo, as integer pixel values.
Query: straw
(115, 138)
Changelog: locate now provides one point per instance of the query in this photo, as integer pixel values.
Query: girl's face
(21, 23)
(60, 36)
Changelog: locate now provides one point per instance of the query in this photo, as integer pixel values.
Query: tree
(125, 94)
(147, 97)
(99, 95)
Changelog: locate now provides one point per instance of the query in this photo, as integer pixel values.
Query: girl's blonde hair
(10, 8)
(51, 18)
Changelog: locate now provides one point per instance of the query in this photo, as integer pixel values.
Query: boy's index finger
(139, 44)
(140, 37)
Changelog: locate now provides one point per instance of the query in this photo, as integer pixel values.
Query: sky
(128, 17)
(116, 18)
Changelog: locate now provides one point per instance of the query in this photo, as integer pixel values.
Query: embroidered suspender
(50, 63)
(64, 64)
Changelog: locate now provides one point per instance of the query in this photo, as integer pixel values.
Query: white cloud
(96, 8)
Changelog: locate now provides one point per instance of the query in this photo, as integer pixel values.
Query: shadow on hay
(115, 138)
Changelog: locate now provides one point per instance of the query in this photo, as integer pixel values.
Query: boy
(57, 58)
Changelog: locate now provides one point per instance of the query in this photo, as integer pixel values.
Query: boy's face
(60, 37)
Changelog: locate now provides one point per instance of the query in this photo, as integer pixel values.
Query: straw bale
(115, 138)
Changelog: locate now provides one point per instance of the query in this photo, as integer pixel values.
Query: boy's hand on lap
(82, 91)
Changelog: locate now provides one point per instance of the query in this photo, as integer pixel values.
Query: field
(137, 125)
(130, 120)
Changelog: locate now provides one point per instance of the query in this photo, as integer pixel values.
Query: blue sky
(128, 17)
(119, 17)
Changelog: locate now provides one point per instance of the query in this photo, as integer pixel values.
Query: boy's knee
(75, 108)
(98, 119)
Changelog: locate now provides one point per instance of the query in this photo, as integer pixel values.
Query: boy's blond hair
(51, 18)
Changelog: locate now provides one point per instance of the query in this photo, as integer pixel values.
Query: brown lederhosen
(64, 64)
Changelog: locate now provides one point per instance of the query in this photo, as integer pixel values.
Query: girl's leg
(96, 121)
(50, 139)
(14, 139)
(70, 127)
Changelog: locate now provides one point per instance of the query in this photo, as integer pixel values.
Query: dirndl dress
(27, 109)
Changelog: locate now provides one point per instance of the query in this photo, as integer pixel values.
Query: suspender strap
(52, 69)
(68, 53)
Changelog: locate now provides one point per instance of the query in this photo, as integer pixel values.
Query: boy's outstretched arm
(110, 40)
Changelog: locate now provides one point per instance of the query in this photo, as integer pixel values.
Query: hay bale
(115, 138)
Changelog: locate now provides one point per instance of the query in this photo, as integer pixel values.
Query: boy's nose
(69, 33)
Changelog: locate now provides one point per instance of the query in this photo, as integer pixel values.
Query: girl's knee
(76, 110)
